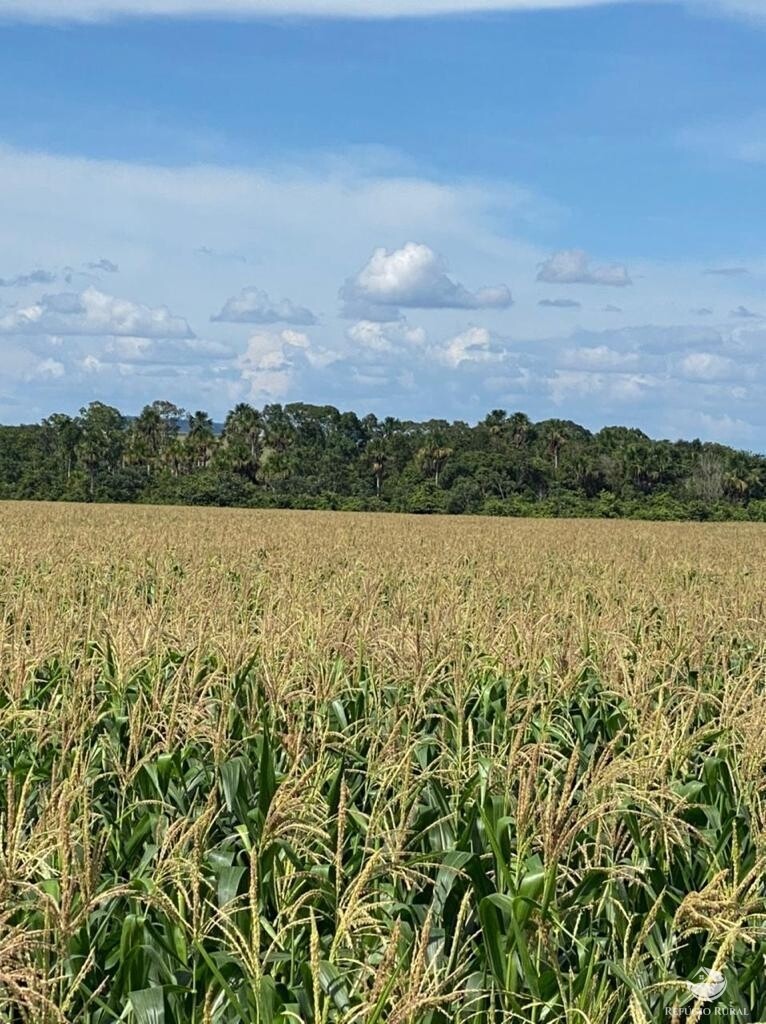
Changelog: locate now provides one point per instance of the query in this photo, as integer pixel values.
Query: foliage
(306, 456)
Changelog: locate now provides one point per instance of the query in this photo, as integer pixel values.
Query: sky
(419, 208)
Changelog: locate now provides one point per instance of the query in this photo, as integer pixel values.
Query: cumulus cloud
(51, 368)
(93, 312)
(706, 366)
(377, 336)
(560, 304)
(253, 306)
(609, 387)
(572, 266)
(413, 277)
(267, 364)
(24, 280)
(471, 346)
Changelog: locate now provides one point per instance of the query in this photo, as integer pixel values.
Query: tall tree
(102, 441)
(200, 440)
(243, 436)
(65, 432)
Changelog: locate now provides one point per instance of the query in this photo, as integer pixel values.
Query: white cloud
(706, 366)
(471, 346)
(151, 220)
(572, 266)
(253, 306)
(93, 313)
(266, 366)
(49, 368)
(166, 350)
(72, 10)
(598, 357)
(96, 10)
(92, 364)
(413, 277)
(609, 387)
(377, 336)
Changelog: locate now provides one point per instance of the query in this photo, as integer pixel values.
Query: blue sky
(557, 209)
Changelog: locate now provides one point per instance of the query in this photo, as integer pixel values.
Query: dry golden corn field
(324, 767)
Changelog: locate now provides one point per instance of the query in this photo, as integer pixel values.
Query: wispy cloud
(95, 10)
(560, 304)
(100, 10)
(108, 266)
(573, 266)
(745, 314)
(24, 280)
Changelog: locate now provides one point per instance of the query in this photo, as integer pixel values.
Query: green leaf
(148, 1006)
(228, 884)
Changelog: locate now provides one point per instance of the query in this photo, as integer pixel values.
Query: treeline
(307, 456)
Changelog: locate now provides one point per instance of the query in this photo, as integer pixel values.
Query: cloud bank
(93, 313)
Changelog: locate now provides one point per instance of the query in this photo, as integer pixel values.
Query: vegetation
(304, 767)
(315, 457)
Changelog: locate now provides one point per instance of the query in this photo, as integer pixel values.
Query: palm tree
(556, 441)
(173, 456)
(378, 459)
(496, 423)
(243, 439)
(199, 440)
(433, 457)
(520, 427)
(147, 437)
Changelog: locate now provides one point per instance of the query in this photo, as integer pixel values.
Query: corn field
(304, 767)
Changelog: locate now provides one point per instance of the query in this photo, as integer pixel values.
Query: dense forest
(307, 456)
